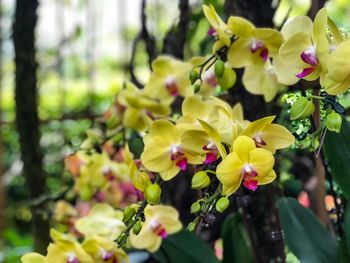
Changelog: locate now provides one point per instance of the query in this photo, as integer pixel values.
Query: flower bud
(196, 88)
(301, 109)
(222, 204)
(195, 207)
(200, 180)
(334, 121)
(191, 226)
(128, 213)
(137, 228)
(228, 78)
(153, 192)
(219, 68)
(85, 193)
(193, 75)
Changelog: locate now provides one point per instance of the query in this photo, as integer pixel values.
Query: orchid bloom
(219, 28)
(254, 45)
(160, 221)
(247, 163)
(104, 250)
(337, 79)
(168, 79)
(164, 151)
(268, 135)
(65, 249)
(102, 220)
(306, 47)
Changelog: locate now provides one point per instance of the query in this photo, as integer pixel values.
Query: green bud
(193, 75)
(228, 79)
(85, 193)
(128, 213)
(153, 192)
(113, 121)
(121, 238)
(137, 228)
(301, 109)
(200, 180)
(191, 226)
(196, 87)
(222, 204)
(195, 207)
(334, 121)
(219, 68)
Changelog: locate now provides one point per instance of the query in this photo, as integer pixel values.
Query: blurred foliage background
(83, 53)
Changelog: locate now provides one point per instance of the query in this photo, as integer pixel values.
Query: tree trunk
(27, 114)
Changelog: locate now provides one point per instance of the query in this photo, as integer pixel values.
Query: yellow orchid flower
(247, 163)
(219, 28)
(102, 220)
(164, 151)
(66, 249)
(261, 80)
(169, 79)
(268, 135)
(160, 222)
(306, 47)
(337, 80)
(104, 250)
(33, 258)
(254, 45)
(140, 109)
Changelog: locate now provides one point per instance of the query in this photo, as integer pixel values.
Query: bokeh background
(85, 50)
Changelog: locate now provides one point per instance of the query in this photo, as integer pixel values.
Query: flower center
(105, 255)
(258, 141)
(249, 177)
(210, 78)
(171, 86)
(158, 229)
(309, 57)
(257, 46)
(212, 153)
(178, 157)
(72, 258)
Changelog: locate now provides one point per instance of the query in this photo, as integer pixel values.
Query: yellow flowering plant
(187, 123)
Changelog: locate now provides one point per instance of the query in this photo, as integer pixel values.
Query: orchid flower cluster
(119, 189)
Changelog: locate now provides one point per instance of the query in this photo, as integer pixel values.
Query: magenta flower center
(71, 258)
(309, 57)
(178, 157)
(257, 46)
(171, 86)
(158, 229)
(250, 180)
(105, 255)
(211, 153)
(210, 78)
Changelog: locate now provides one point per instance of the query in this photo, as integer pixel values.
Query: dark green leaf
(337, 151)
(343, 254)
(185, 247)
(306, 237)
(236, 242)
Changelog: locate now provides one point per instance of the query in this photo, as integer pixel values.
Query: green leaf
(306, 237)
(343, 254)
(236, 242)
(185, 247)
(347, 227)
(337, 152)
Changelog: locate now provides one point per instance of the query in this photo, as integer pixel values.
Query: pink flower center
(71, 258)
(178, 157)
(309, 57)
(259, 142)
(158, 229)
(249, 177)
(210, 78)
(105, 255)
(171, 86)
(257, 46)
(212, 32)
(212, 153)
